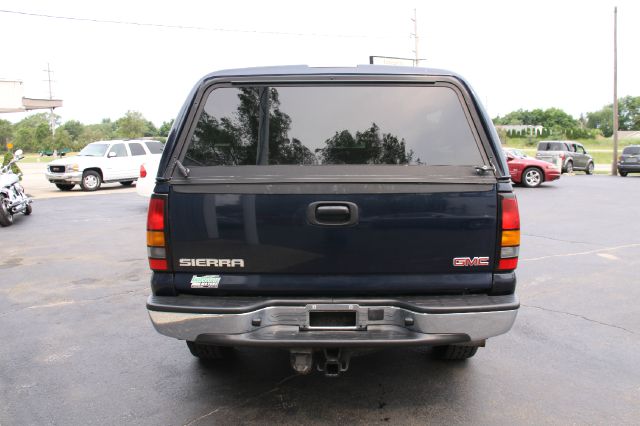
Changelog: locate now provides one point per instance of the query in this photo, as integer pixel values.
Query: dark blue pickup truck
(326, 210)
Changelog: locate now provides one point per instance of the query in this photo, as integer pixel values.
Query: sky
(516, 54)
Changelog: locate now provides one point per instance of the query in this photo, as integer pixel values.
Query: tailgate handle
(332, 213)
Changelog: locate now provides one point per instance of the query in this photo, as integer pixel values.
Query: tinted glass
(631, 150)
(419, 125)
(137, 149)
(119, 149)
(94, 150)
(155, 147)
(557, 146)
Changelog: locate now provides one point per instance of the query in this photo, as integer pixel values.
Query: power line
(188, 27)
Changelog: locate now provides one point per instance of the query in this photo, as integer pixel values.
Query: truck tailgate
(401, 242)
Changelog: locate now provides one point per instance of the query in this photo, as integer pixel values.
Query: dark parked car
(528, 171)
(629, 161)
(568, 155)
(329, 210)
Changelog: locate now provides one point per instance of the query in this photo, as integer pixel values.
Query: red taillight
(155, 215)
(143, 171)
(510, 233)
(510, 213)
(508, 264)
(158, 264)
(156, 242)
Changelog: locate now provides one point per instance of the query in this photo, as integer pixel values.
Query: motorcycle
(13, 200)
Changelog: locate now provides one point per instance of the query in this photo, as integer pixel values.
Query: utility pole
(415, 37)
(52, 119)
(614, 167)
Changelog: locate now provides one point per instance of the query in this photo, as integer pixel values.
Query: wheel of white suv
(91, 180)
(532, 177)
(454, 352)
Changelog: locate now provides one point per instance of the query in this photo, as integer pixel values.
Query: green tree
(74, 128)
(32, 133)
(165, 128)
(629, 113)
(602, 120)
(628, 116)
(62, 139)
(133, 125)
(6, 133)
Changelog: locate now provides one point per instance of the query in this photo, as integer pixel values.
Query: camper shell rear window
(318, 125)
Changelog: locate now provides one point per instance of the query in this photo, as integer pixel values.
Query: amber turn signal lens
(510, 238)
(155, 238)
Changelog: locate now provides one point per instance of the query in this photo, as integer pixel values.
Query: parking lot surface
(78, 347)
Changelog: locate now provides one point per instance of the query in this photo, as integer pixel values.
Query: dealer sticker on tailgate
(205, 281)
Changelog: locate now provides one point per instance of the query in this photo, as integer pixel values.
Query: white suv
(103, 161)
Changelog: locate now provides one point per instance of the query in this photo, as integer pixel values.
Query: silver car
(568, 155)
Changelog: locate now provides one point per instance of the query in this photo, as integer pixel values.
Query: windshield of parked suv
(631, 150)
(328, 125)
(94, 150)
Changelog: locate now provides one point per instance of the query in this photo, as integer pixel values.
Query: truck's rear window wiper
(183, 170)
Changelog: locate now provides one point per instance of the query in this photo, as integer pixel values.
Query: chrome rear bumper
(288, 325)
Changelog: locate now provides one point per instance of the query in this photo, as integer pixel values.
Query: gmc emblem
(470, 261)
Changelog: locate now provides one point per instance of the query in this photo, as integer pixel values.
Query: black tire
(569, 167)
(126, 183)
(532, 177)
(91, 181)
(28, 210)
(65, 186)
(590, 168)
(6, 217)
(209, 352)
(623, 174)
(454, 352)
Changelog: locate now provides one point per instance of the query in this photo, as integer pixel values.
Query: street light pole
(614, 167)
(52, 120)
(415, 37)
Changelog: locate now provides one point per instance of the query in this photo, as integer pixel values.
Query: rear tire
(454, 352)
(6, 217)
(590, 168)
(532, 177)
(28, 210)
(209, 352)
(623, 174)
(65, 186)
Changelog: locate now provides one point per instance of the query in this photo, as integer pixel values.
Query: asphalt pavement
(78, 348)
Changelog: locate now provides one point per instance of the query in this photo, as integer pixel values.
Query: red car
(528, 171)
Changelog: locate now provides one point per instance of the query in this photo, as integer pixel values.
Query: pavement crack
(581, 317)
(243, 403)
(582, 253)
(70, 302)
(559, 239)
